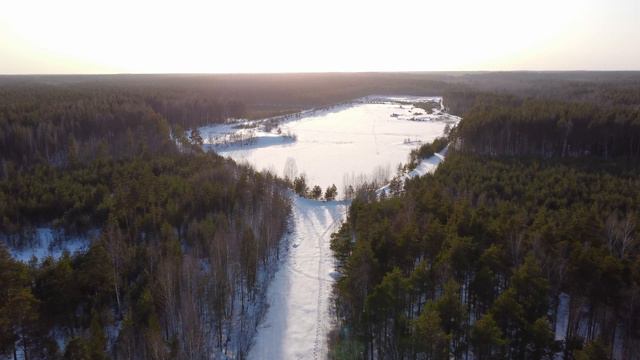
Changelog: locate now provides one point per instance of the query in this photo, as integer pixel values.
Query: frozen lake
(330, 146)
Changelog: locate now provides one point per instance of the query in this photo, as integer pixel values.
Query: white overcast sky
(68, 36)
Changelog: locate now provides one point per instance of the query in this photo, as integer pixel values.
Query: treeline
(509, 126)
(42, 117)
(299, 185)
(187, 243)
(426, 150)
(475, 259)
(187, 240)
(604, 87)
(45, 118)
(59, 125)
(262, 94)
(428, 106)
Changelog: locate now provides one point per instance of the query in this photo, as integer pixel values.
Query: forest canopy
(473, 259)
(524, 242)
(177, 243)
(509, 126)
(538, 202)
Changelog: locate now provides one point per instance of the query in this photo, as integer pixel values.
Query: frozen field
(329, 146)
(334, 146)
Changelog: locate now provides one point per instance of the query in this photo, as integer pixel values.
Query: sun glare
(290, 36)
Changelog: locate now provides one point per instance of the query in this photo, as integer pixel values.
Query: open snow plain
(330, 146)
(364, 139)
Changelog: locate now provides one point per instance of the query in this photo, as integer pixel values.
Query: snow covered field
(335, 146)
(330, 146)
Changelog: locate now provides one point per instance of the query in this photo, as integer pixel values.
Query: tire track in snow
(334, 224)
(317, 341)
(312, 277)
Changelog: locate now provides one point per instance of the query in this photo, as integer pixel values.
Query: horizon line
(325, 72)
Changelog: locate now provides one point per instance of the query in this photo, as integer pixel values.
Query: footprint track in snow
(332, 227)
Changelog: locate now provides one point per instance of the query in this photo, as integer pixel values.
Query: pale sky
(188, 36)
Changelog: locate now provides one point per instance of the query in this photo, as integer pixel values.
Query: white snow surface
(562, 322)
(48, 242)
(331, 146)
(298, 321)
(426, 166)
(562, 317)
(339, 144)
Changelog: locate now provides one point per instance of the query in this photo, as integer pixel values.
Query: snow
(562, 317)
(426, 166)
(562, 322)
(333, 145)
(259, 140)
(360, 139)
(618, 343)
(48, 242)
(298, 321)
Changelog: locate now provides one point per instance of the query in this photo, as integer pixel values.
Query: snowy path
(297, 321)
(343, 145)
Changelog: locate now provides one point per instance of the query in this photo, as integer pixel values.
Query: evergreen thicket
(473, 260)
(185, 240)
(538, 203)
(534, 211)
(510, 126)
(185, 245)
(63, 125)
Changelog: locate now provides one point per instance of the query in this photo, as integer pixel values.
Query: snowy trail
(297, 321)
(339, 145)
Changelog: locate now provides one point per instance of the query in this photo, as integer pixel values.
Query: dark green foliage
(331, 193)
(428, 106)
(161, 218)
(594, 350)
(487, 338)
(550, 128)
(429, 337)
(495, 240)
(68, 125)
(300, 185)
(183, 235)
(64, 119)
(316, 192)
(427, 150)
